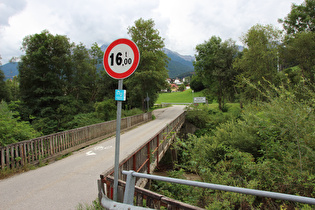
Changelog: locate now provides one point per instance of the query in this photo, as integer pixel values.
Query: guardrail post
(130, 188)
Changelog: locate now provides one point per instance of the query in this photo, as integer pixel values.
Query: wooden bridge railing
(145, 158)
(51, 146)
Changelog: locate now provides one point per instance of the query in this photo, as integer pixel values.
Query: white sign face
(198, 100)
(121, 58)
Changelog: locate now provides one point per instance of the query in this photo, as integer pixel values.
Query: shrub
(270, 146)
(13, 130)
(105, 110)
(131, 112)
(207, 118)
(84, 119)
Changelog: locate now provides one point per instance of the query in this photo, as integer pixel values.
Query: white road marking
(89, 153)
(98, 148)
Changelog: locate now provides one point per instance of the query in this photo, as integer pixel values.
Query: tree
(82, 83)
(196, 83)
(300, 50)
(301, 18)
(4, 93)
(12, 86)
(214, 65)
(88, 82)
(259, 60)
(2, 84)
(12, 129)
(44, 73)
(3, 87)
(182, 87)
(105, 110)
(151, 74)
(104, 85)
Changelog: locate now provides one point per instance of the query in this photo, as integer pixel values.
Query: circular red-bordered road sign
(121, 58)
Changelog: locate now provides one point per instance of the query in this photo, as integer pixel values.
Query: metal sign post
(117, 144)
(121, 59)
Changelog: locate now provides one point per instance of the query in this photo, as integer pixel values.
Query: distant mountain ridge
(178, 66)
(10, 70)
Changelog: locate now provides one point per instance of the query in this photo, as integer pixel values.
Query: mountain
(10, 70)
(179, 65)
(104, 47)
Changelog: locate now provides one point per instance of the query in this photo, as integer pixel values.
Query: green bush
(270, 146)
(106, 110)
(207, 118)
(181, 192)
(13, 130)
(84, 119)
(131, 112)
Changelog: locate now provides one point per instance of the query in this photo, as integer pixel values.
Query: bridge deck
(70, 181)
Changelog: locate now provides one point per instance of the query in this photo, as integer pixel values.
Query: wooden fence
(52, 146)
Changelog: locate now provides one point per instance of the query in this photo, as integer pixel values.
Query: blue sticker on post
(120, 95)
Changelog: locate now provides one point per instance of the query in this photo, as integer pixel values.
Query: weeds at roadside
(94, 206)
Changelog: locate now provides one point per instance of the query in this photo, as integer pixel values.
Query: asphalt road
(66, 183)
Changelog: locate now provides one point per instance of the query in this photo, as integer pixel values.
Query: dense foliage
(3, 88)
(299, 50)
(12, 129)
(301, 18)
(268, 146)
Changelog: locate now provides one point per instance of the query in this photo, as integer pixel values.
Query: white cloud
(183, 23)
(8, 8)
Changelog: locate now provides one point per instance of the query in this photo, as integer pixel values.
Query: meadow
(178, 97)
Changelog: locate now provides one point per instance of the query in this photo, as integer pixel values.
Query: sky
(182, 23)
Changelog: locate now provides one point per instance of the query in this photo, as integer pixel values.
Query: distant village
(176, 85)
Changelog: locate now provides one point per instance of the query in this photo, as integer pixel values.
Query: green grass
(178, 97)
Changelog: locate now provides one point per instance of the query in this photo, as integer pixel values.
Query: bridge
(72, 180)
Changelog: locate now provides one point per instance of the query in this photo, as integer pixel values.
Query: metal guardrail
(143, 198)
(132, 175)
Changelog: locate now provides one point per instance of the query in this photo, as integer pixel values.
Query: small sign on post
(120, 95)
(200, 100)
(121, 59)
